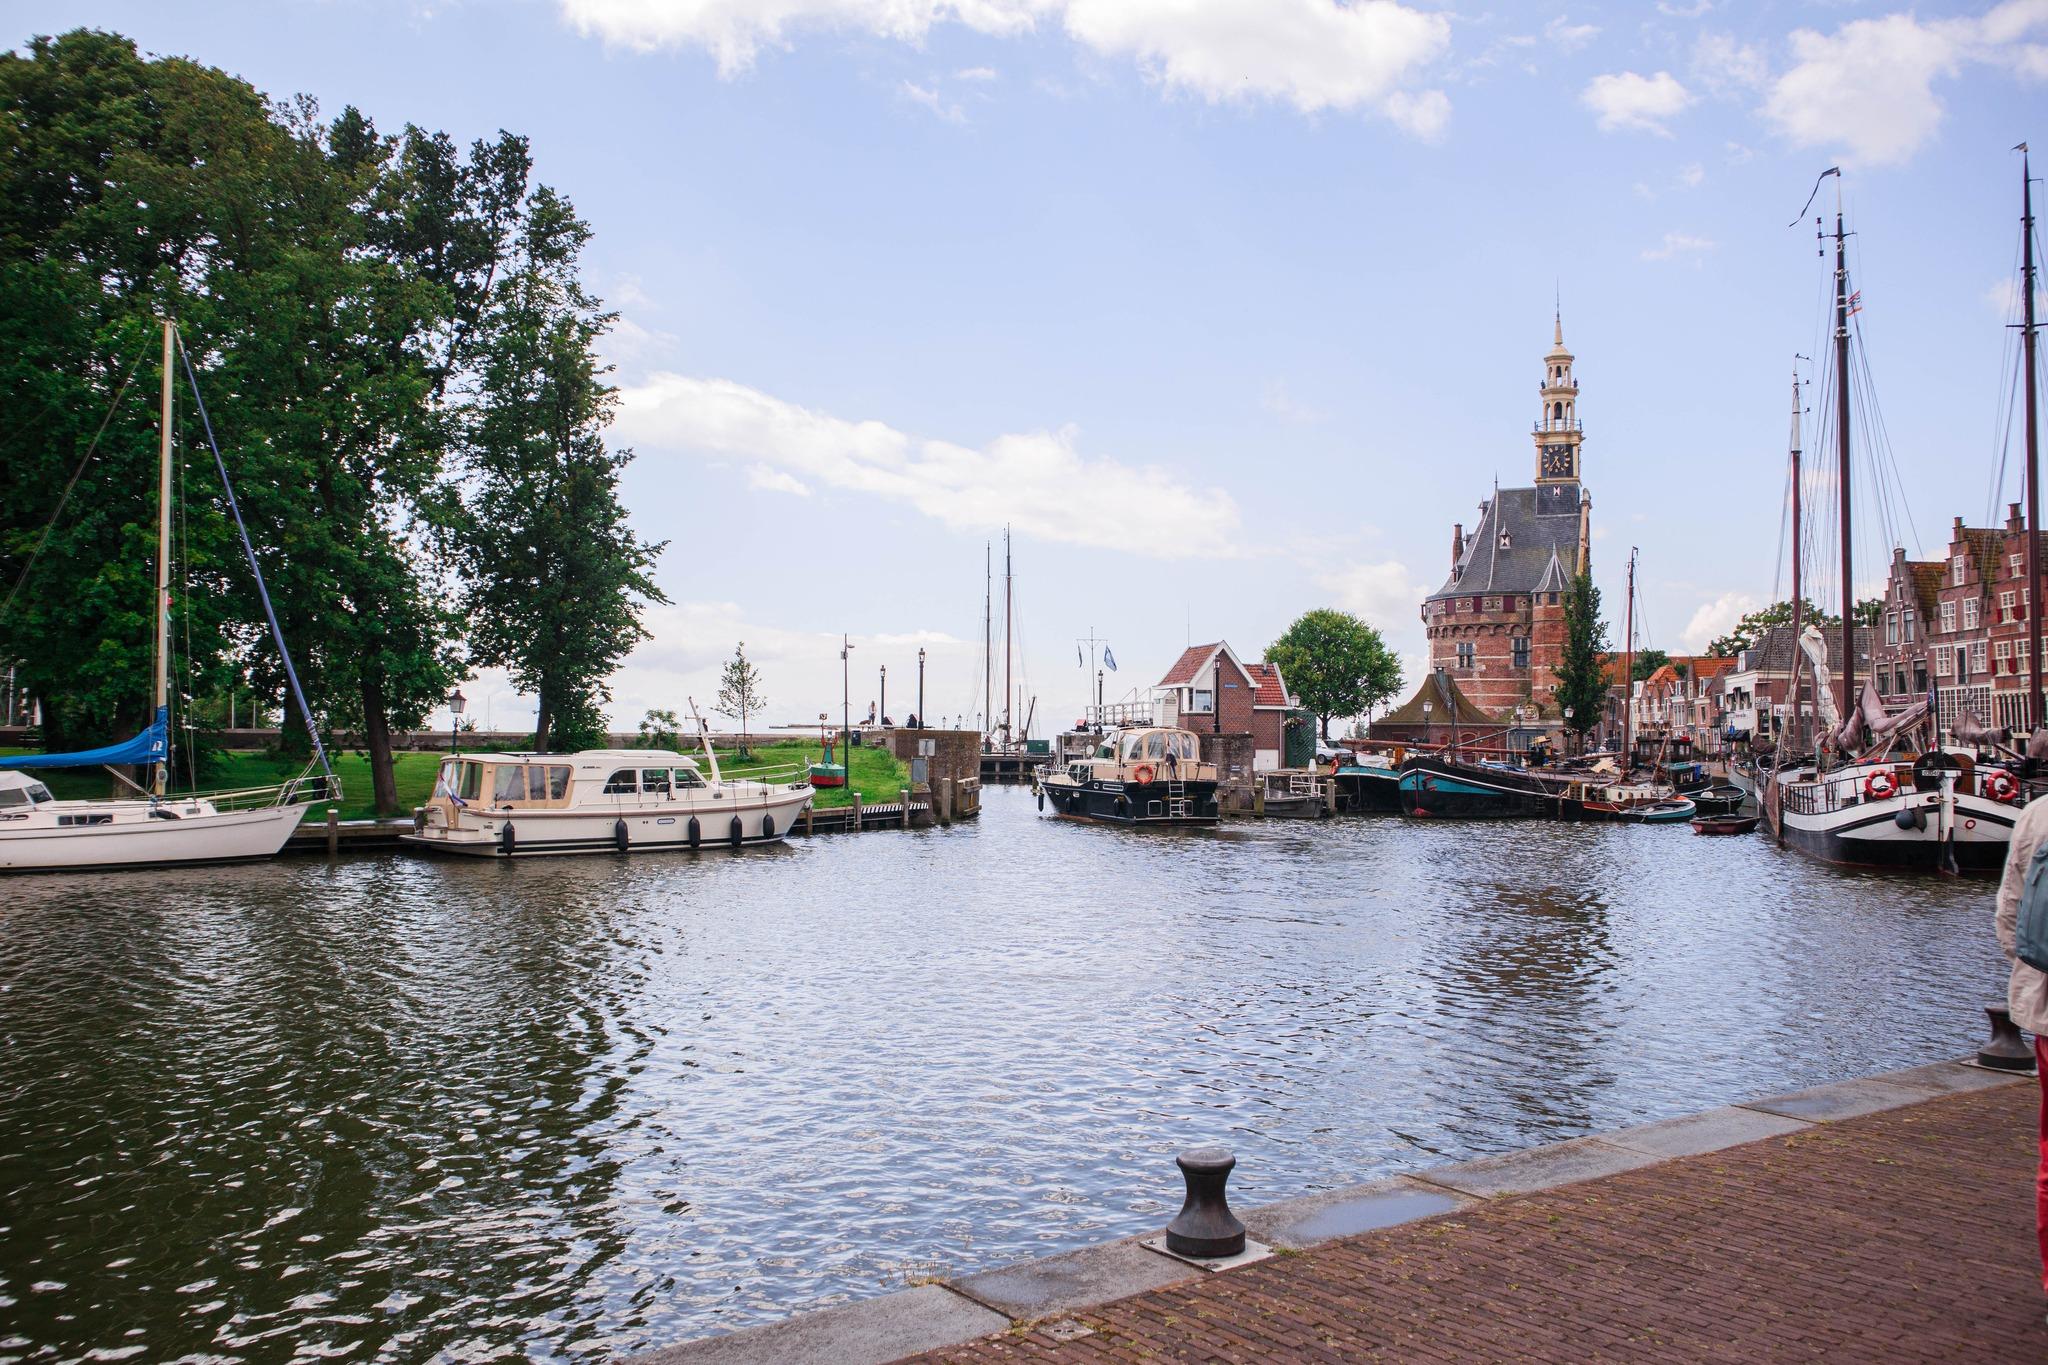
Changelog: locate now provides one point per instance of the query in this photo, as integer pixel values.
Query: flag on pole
(1080, 659)
(1108, 659)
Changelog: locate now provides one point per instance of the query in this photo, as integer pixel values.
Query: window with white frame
(1979, 657)
(1970, 613)
(2001, 650)
(2006, 601)
(1465, 652)
(1908, 615)
(1948, 617)
(1959, 569)
(2012, 564)
(1891, 627)
(1941, 663)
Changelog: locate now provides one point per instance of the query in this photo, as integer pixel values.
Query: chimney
(2013, 524)
(1457, 543)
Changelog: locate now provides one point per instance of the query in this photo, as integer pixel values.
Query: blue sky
(1231, 307)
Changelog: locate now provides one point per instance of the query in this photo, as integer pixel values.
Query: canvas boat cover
(146, 748)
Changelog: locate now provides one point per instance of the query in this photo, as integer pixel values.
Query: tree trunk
(377, 736)
(1325, 721)
(543, 720)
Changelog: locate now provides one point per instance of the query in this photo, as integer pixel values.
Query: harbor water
(393, 1109)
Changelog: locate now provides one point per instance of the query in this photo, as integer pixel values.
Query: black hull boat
(1722, 799)
(1368, 791)
(1935, 815)
(1152, 776)
(1133, 803)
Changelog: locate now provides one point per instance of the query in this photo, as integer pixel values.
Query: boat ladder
(1177, 804)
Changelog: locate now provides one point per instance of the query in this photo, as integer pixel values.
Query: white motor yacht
(599, 801)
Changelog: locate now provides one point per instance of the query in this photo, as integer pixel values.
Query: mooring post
(906, 808)
(333, 831)
(856, 812)
(1205, 1228)
(945, 795)
(2006, 1051)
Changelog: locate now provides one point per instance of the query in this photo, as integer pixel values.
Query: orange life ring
(1880, 785)
(1143, 773)
(2001, 786)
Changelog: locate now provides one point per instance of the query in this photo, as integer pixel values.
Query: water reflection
(393, 1108)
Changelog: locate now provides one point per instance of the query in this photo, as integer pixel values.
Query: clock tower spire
(1558, 434)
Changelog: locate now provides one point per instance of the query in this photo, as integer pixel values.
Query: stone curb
(875, 1331)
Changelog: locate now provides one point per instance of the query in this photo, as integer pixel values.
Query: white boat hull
(132, 838)
(1942, 830)
(720, 822)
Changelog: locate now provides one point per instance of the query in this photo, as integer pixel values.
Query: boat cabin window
(26, 795)
(1155, 745)
(97, 818)
(529, 783)
(1133, 746)
(624, 782)
(460, 779)
(686, 778)
(654, 781)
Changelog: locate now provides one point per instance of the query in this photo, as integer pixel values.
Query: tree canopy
(1746, 632)
(1337, 664)
(1582, 679)
(347, 298)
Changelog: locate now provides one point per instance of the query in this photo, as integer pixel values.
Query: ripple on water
(390, 1109)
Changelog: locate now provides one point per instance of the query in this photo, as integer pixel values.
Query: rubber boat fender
(1910, 817)
(696, 834)
(1041, 799)
(507, 841)
(767, 827)
(620, 837)
(737, 836)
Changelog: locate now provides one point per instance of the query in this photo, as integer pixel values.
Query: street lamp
(846, 701)
(1428, 726)
(920, 688)
(455, 705)
(885, 694)
(1567, 720)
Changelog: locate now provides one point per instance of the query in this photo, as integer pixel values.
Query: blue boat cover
(147, 747)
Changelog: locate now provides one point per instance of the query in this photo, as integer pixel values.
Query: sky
(1227, 308)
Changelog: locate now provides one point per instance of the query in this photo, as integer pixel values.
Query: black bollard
(2006, 1051)
(1205, 1227)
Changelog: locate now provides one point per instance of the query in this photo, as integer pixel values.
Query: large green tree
(1337, 664)
(1582, 679)
(1746, 632)
(556, 578)
(1648, 661)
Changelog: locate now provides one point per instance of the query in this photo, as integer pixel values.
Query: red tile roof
(1188, 664)
(1268, 690)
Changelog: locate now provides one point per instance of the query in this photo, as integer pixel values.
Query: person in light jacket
(2026, 995)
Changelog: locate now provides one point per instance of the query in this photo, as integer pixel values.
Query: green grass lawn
(877, 774)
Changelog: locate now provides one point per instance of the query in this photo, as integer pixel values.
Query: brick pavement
(1905, 1236)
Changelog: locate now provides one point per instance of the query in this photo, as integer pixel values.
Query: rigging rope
(291, 673)
(76, 474)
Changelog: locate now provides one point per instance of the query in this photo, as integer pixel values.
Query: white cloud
(1028, 479)
(1679, 246)
(2005, 297)
(1869, 87)
(930, 99)
(1568, 36)
(1727, 67)
(1383, 594)
(735, 31)
(1277, 400)
(1313, 54)
(1691, 175)
(1627, 101)
(770, 480)
(1692, 11)
(1715, 619)
(976, 73)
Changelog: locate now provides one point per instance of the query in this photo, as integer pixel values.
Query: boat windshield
(27, 794)
(460, 778)
(529, 782)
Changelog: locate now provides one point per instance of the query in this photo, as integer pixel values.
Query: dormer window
(1505, 541)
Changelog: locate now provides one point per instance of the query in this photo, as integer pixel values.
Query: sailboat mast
(1798, 552)
(988, 619)
(1008, 633)
(2034, 604)
(1628, 671)
(1842, 458)
(161, 698)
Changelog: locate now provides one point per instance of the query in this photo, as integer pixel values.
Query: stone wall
(1232, 754)
(958, 752)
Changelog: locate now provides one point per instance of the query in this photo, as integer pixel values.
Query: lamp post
(846, 703)
(884, 717)
(920, 688)
(455, 705)
(1568, 718)
(1428, 725)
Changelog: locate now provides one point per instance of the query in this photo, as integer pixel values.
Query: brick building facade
(1496, 626)
(1959, 624)
(1211, 691)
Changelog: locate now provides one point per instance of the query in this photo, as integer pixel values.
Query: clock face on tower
(1557, 462)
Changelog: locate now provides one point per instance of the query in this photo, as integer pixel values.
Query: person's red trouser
(2041, 1176)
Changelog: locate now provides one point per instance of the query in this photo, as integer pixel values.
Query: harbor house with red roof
(1496, 626)
(1210, 689)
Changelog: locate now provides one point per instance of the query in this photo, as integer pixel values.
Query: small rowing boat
(1675, 811)
(1725, 824)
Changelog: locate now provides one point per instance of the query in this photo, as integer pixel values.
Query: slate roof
(1775, 650)
(1452, 707)
(1928, 576)
(1535, 540)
